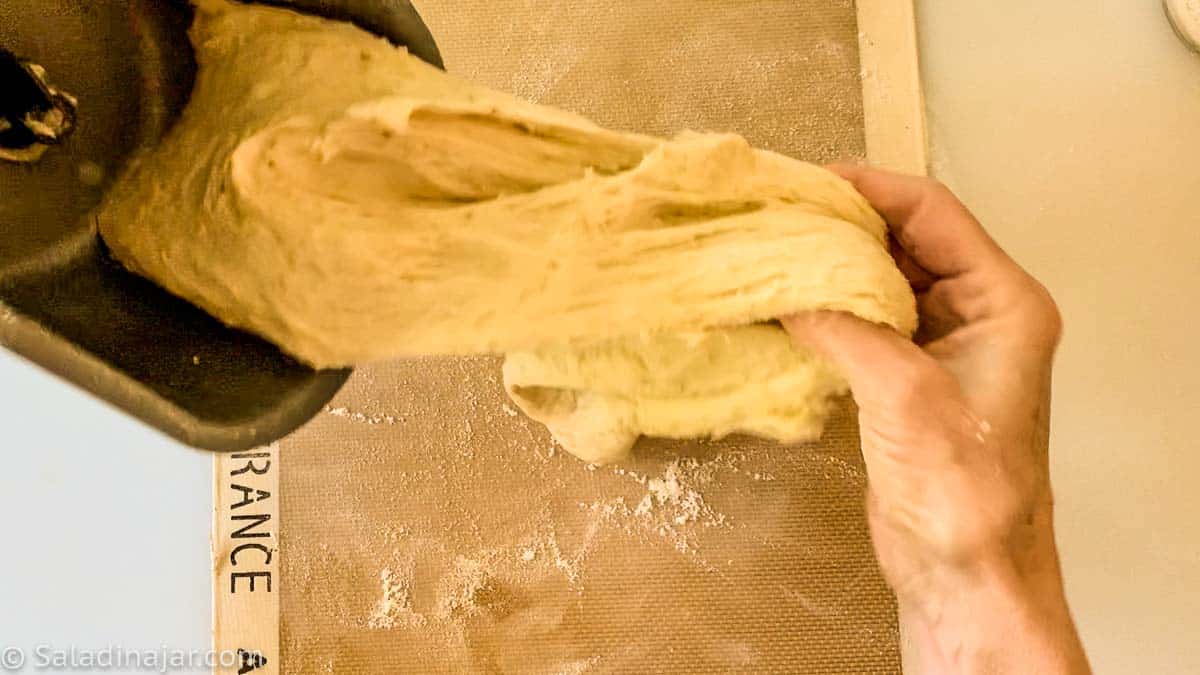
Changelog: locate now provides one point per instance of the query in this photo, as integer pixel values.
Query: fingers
(931, 225)
(910, 408)
(918, 277)
(875, 360)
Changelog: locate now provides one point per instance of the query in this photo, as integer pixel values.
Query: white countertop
(105, 525)
(1073, 131)
(1071, 128)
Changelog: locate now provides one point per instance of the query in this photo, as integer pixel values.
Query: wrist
(996, 614)
(991, 582)
(1020, 562)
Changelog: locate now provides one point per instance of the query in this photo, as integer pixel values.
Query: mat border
(245, 560)
(893, 100)
(895, 135)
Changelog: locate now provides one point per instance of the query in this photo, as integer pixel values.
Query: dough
(350, 203)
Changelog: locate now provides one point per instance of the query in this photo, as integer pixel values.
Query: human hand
(954, 433)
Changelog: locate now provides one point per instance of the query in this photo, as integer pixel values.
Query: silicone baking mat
(421, 524)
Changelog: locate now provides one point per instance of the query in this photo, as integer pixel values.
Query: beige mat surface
(421, 524)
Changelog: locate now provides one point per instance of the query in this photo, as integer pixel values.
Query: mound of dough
(350, 203)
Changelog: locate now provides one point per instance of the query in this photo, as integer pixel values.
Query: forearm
(995, 619)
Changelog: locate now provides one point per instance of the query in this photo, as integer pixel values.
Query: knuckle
(936, 191)
(1039, 319)
(1042, 314)
(942, 191)
(933, 185)
(1050, 314)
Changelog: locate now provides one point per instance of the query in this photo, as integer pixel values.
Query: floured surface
(429, 527)
(782, 73)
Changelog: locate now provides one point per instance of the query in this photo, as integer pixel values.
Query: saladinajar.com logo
(163, 660)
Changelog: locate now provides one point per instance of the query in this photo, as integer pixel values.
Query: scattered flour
(361, 417)
(467, 590)
(394, 608)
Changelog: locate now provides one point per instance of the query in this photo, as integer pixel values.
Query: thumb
(874, 359)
